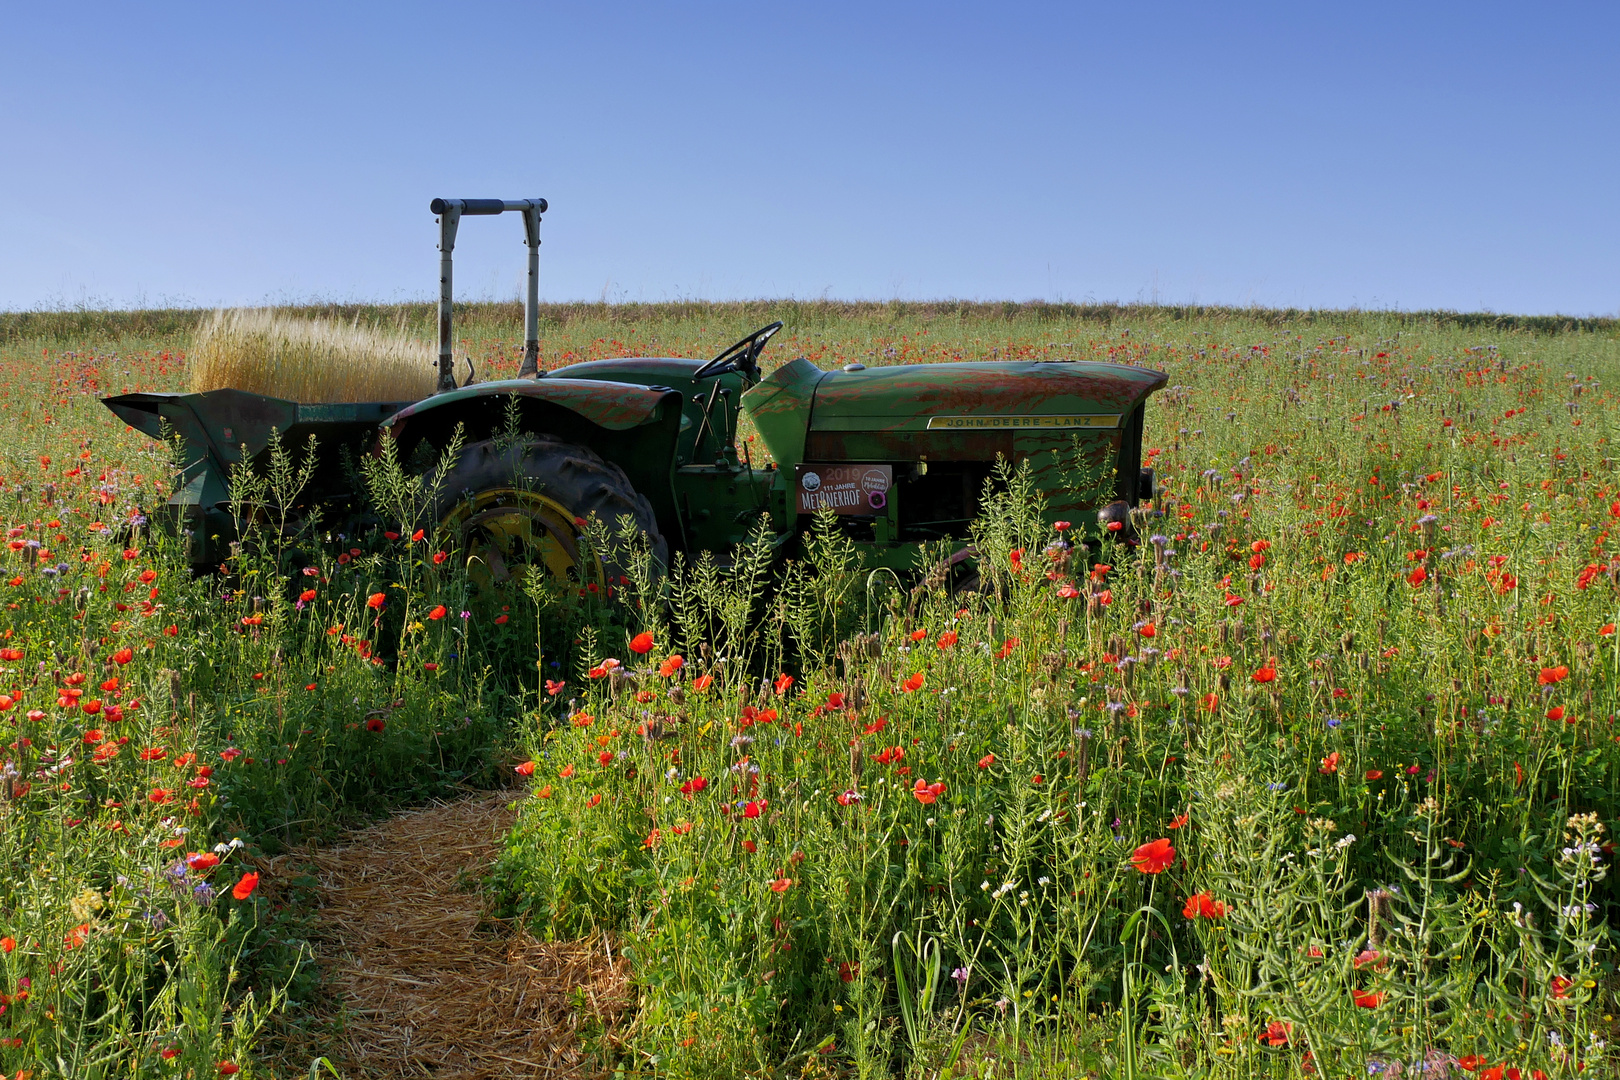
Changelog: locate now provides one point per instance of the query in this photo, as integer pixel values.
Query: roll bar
(450, 212)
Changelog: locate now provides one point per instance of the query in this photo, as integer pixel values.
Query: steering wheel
(742, 356)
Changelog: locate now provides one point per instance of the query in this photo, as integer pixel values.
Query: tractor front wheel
(521, 508)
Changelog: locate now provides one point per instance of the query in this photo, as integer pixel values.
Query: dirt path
(427, 983)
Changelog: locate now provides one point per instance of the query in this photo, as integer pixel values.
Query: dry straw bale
(314, 360)
(426, 982)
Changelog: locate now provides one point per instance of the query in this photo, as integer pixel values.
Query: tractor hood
(1007, 395)
(962, 412)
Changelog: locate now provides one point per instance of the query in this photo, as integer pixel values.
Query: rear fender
(635, 427)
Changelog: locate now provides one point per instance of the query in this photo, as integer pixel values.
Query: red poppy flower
(1265, 674)
(1330, 764)
(439, 557)
(947, 639)
(202, 860)
(376, 600)
(694, 786)
(987, 761)
(1375, 774)
(1154, 857)
(750, 847)
(376, 723)
(525, 769)
(1551, 675)
(567, 771)
(244, 888)
(1417, 577)
(782, 682)
(913, 684)
(1367, 1000)
(1068, 591)
(1471, 1062)
(781, 885)
(1177, 822)
(849, 970)
(1277, 1033)
(1203, 906)
(918, 635)
(642, 643)
(418, 534)
(554, 688)
(500, 620)
(670, 666)
(753, 808)
(123, 656)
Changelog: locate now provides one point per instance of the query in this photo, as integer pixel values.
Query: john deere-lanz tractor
(900, 454)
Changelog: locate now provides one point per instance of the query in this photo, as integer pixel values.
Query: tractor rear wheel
(521, 508)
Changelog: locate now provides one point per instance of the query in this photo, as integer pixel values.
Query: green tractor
(900, 454)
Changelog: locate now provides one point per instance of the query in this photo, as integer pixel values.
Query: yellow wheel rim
(505, 534)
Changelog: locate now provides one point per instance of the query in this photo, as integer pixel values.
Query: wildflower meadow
(1318, 778)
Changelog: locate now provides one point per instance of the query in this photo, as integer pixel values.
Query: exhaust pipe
(450, 212)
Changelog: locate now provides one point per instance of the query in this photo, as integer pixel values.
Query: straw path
(428, 983)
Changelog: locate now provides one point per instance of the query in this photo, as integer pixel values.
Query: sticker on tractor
(981, 423)
(844, 489)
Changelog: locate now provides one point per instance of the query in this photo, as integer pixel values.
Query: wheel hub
(508, 533)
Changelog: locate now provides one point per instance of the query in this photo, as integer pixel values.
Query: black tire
(574, 476)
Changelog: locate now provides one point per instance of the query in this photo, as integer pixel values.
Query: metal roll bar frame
(449, 213)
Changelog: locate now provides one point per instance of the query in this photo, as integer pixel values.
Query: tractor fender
(612, 406)
(633, 426)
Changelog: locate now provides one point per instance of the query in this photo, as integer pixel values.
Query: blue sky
(1385, 156)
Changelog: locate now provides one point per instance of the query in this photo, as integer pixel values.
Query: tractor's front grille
(942, 502)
